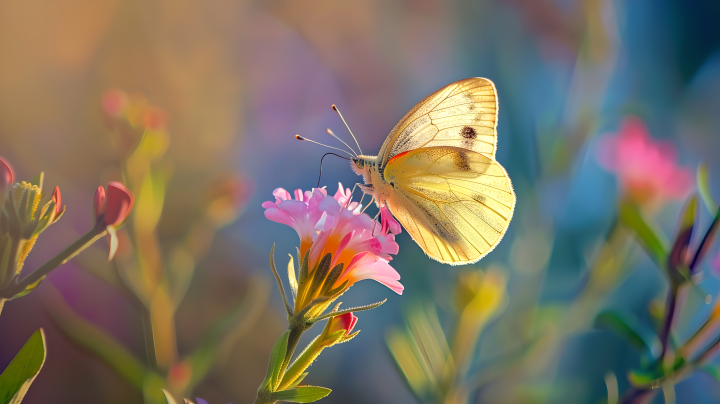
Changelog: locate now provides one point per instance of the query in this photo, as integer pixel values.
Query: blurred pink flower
(646, 169)
(336, 226)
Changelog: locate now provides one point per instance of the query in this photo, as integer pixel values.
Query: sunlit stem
(64, 256)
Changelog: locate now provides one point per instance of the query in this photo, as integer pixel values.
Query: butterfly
(436, 173)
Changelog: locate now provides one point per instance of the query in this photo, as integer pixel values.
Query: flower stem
(669, 316)
(301, 363)
(64, 256)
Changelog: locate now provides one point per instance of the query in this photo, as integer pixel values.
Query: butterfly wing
(462, 114)
(455, 203)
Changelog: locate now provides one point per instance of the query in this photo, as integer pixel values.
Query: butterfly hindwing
(462, 114)
(454, 202)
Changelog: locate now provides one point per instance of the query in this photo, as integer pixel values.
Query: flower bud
(343, 322)
(98, 202)
(6, 177)
(114, 207)
(114, 102)
(57, 200)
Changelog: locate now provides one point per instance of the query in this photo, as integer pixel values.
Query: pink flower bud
(343, 322)
(114, 207)
(114, 102)
(99, 202)
(6, 175)
(57, 199)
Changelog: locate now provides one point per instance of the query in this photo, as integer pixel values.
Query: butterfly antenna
(321, 161)
(337, 111)
(298, 137)
(330, 132)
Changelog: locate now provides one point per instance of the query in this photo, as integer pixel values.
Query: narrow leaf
(38, 180)
(279, 282)
(291, 277)
(703, 184)
(21, 372)
(331, 278)
(277, 356)
(298, 380)
(320, 274)
(629, 330)
(168, 397)
(341, 312)
(304, 394)
(649, 238)
(29, 289)
(113, 242)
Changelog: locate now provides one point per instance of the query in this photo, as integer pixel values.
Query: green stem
(301, 364)
(149, 339)
(64, 256)
(2, 303)
(11, 269)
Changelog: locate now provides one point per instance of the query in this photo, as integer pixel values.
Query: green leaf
(304, 394)
(277, 356)
(703, 184)
(168, 397)
(644, 379)
(631, 331)
(298, 380)
(29, 289)
(712, 370)
(97, 341)
(291, 278)
(21, 372)
(38, 180)
(650, 239)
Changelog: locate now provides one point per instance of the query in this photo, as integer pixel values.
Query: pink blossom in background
(333, 225)
(646, 168)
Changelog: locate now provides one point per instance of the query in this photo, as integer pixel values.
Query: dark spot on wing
(462, 162)
(468, 133)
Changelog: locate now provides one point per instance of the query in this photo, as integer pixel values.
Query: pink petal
(281, 195)
(388, 222)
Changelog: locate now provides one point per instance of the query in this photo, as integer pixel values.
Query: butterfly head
(363, 164)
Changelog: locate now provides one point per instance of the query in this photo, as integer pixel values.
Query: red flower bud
(115, 207)
(99, 202)
(57, 198)
(343, 322)
(6, 175)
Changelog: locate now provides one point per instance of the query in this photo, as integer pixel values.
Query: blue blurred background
(237, 79)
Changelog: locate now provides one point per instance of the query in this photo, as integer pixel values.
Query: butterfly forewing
(454, 202)
(462, 114)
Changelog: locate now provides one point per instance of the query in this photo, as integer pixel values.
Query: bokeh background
(237, 79)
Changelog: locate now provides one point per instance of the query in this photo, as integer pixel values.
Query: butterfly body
(436, 172)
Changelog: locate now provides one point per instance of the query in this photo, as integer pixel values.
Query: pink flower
(114, 209)
(646, 168)
(336, 226)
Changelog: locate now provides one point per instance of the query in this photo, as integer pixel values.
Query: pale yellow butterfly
(436, 172)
